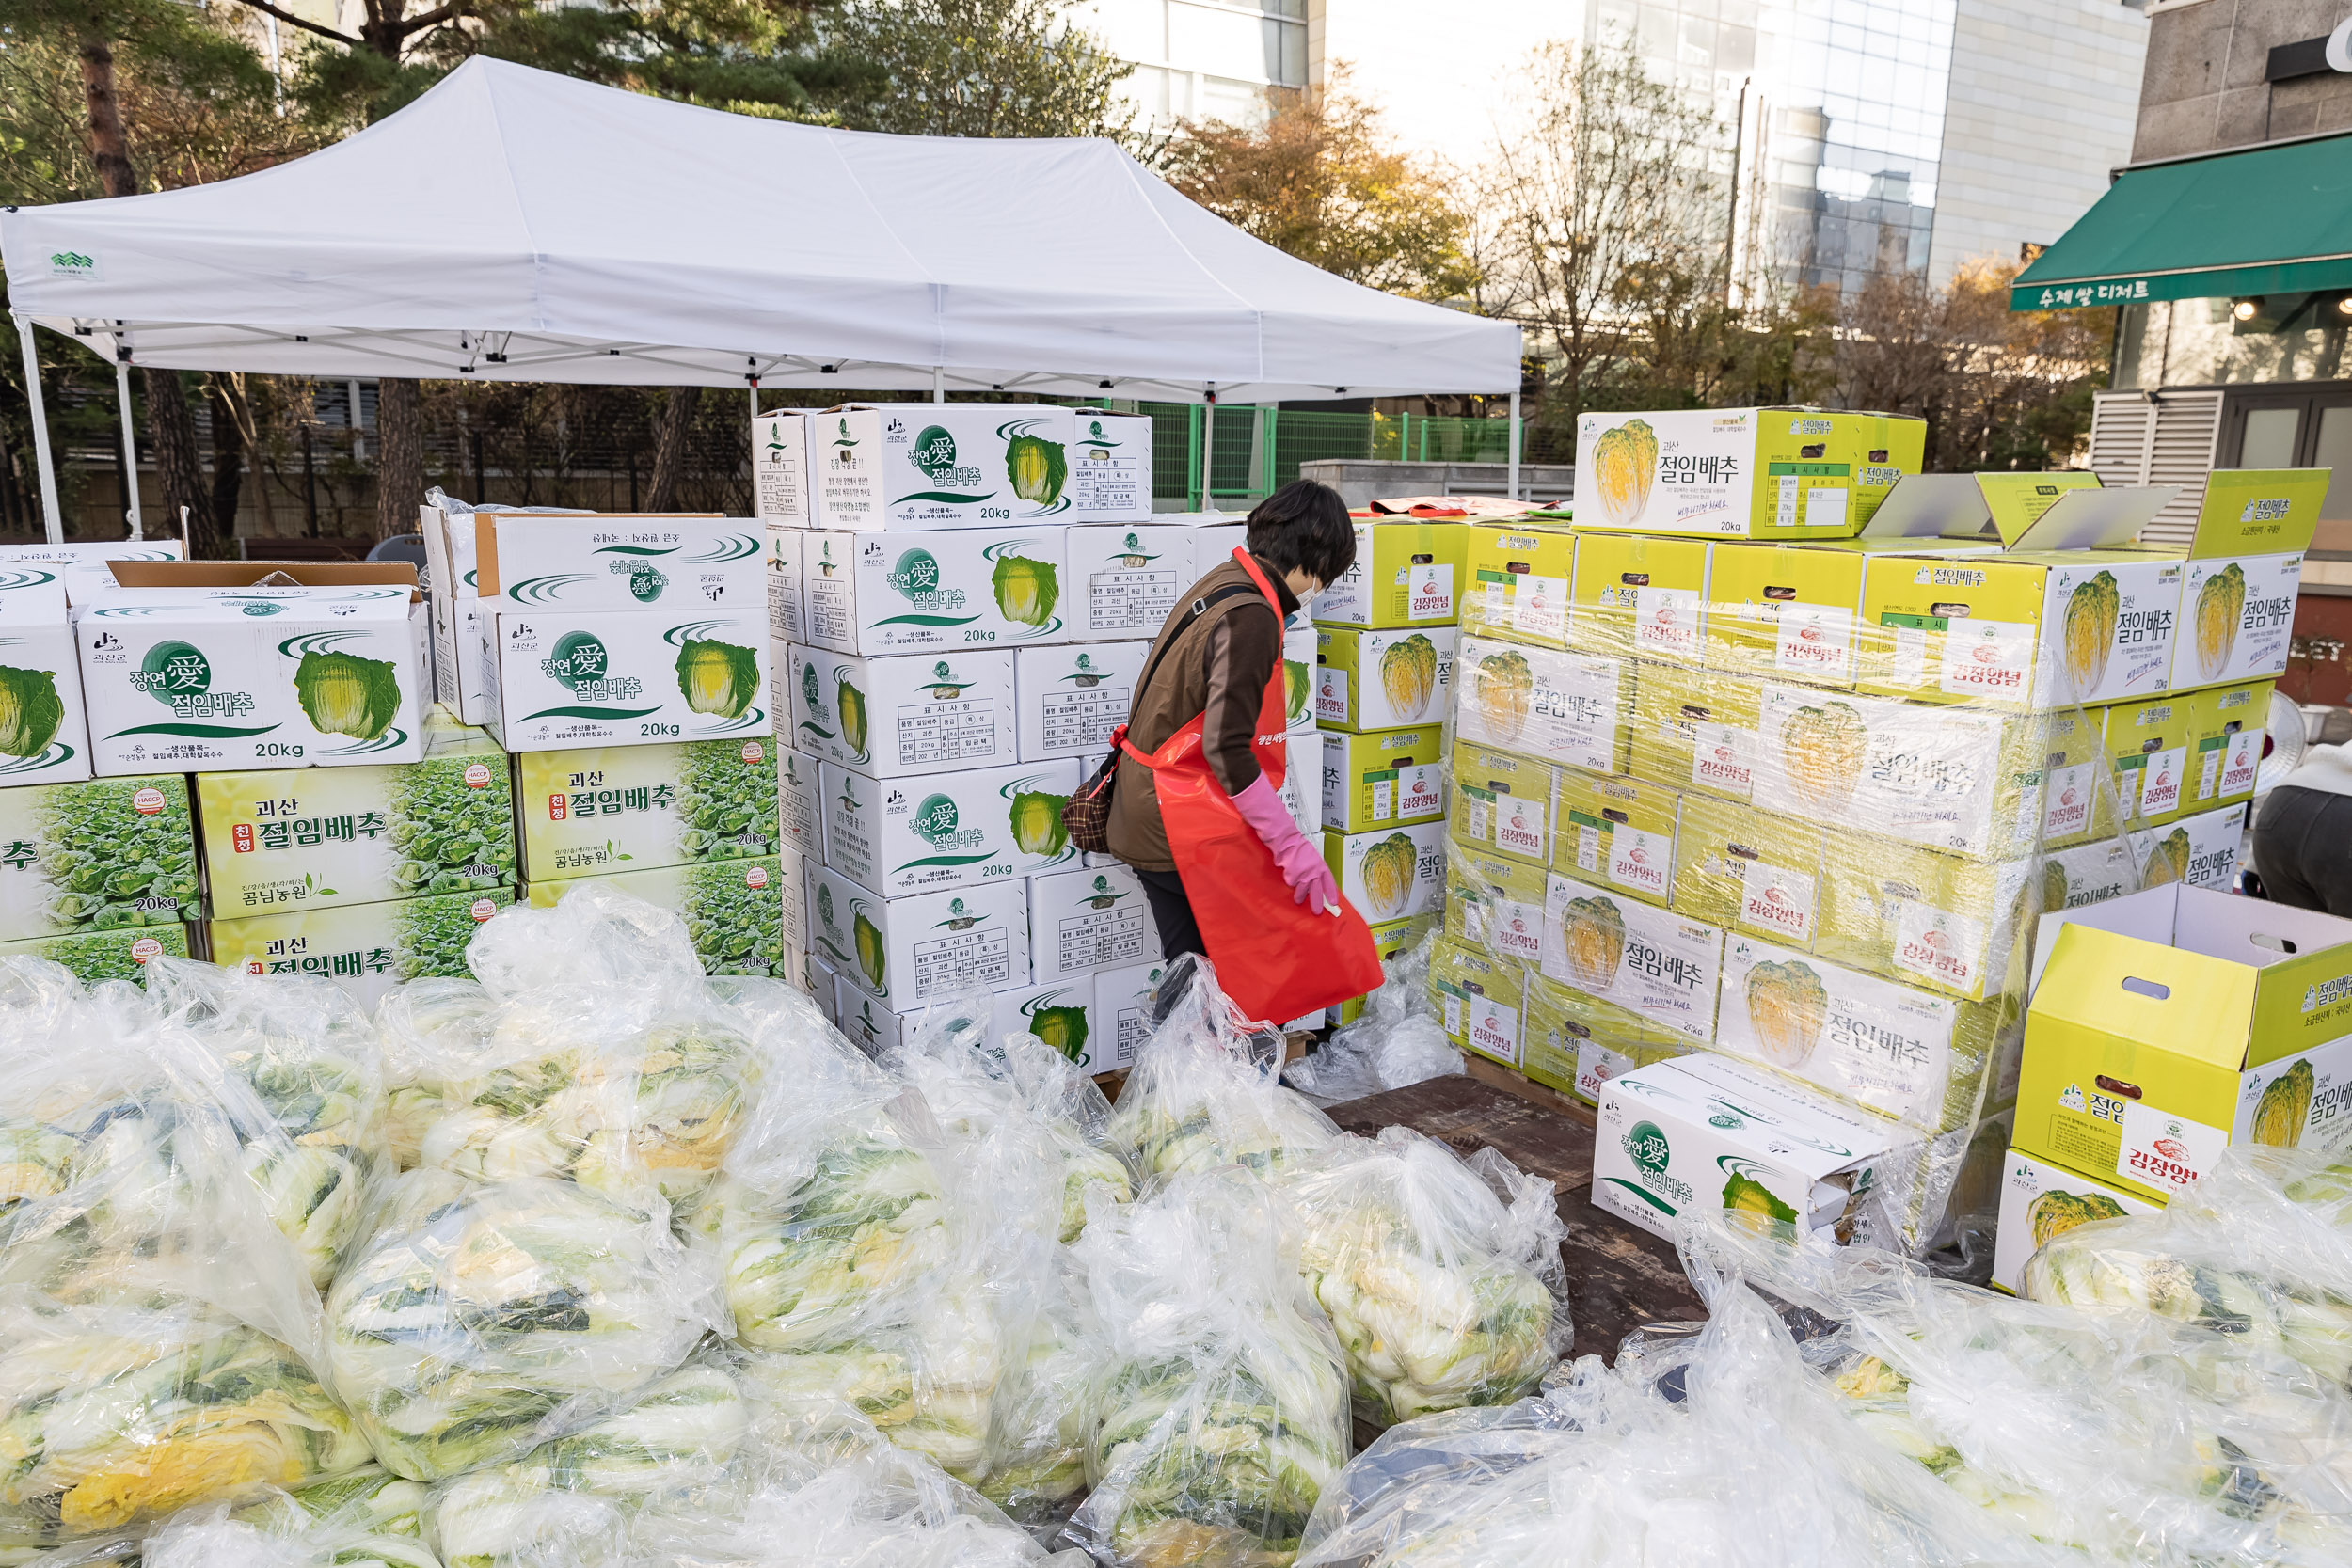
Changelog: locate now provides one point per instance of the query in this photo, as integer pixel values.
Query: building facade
(1204, 59)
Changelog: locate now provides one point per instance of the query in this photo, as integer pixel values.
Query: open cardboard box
(2166, 1024)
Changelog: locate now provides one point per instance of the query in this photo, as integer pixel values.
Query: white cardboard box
(942, 465)
(1069, 699)
(1124, 581)
(562, 678)
(47, 738)
(1298, 676)
(676, 562)
(2024, 1183)
(1111, 468)
(83, 570)
(909, 951)
(870, 1025)
(788, 611)
(796, 802)
(949, 829)
(1703, 1131)
(780, 486)
(1059, 1012)
(1085, 920)
(1122, 1009)
(932, 591)
(917, 713)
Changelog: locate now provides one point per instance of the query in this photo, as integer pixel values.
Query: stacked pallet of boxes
(98, 873)
(1385, 635)
(1749, 812)
(962, 598)
(618, 662)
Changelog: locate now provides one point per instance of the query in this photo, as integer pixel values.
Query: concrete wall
(2204, 88)
(1361, 482)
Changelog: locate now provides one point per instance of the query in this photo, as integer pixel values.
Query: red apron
(1276, 958)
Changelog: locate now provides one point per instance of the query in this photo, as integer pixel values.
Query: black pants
(2303, 849)
(1179, 932)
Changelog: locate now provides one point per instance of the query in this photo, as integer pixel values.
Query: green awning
(2262, 220)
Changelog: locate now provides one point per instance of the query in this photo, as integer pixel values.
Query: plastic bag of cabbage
(1224, 1411)
(369, 1519)
(1398, 1041)
(160, 1339)
(1441, 1278)
(589, 1046)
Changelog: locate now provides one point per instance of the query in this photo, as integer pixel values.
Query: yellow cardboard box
(1640, 594)
(1923, 917)
(2201, 850)
(1383, 780)
(1695, 729)
(2079, 790)
(1504, 802)
(1478, 997)
(1658, 965)
(1751, 473)
(1382, 680)
(1494, 903)
(1615, 832)
(1389, 939)
(1748, 871)
(1406, 574)
(1784, 611)
(2167, 1024)
(2226, 725)
(1575, 1043)
(1571, 708)
(1518, 577)
(2148, 746)
(2244, 568)
(1885, 1046)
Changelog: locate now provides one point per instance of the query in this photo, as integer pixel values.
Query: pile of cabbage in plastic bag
(160, 1339)
(369, 1519)
(1224, 1411)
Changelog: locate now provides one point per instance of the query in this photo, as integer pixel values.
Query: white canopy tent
(514, 225)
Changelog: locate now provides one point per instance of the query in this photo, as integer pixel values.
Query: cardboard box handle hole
(2147, 988)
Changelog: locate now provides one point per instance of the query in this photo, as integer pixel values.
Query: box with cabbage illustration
(1123, 582)
(1741, 473)
(1478, 1000)
(1862, 1039)
(282, 678)
(1783, 612)
(120, 954)
(2166, 1024)
(1494, 903)
(1069, 701)
(1059, 1012)
(313, 837)
(1702, 1132)
(926, 593)
(1517, 580)
(1385, 779)
(1392, 874)
(1406, 574)
(102, 855)
(1615, 832)
(2201, 850)
(951, 829)
(2244, 572)
(916, 466)
(1659, 966)
(1748, 871)
(633, 808)
(1923, 917)
(679, 563)
(1570, 709)
(1085, 920)
(1382, 680)
(1390, 938)
(2088, 874)
(1298, 676)
(2226, 726)
(780, 476)
(733, 909)
(367, 949)
(560, 679)
(797, 809)
(2041, 1201)
(1695, 729)
(1123, 1003)
(1502, 802)
(910, 952)
(44, 733)
(922, 713)
(1637, 594)
(1111, 468)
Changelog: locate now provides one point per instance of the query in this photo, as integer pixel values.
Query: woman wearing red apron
(1196, 809)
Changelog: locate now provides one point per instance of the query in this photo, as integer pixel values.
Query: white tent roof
(514, 225)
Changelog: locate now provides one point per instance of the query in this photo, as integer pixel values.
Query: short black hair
(1304, 525)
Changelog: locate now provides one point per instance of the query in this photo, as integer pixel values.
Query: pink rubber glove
(1310, 881)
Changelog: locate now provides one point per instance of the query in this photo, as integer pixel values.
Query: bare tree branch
(303, 22)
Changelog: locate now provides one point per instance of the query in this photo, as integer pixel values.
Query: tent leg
(939, 384)
(49, 520)
(1208, 449)
(1514, 480)
(130, 446)
(755, 391)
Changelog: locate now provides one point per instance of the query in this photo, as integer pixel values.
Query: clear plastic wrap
(1043, 1422)
(1442, 1277)
(590, 1047)
(369, 1519)
(477, 1320)
(1397, 1042)
(1204, 1093)
(159, 1338)
(1224, 1411)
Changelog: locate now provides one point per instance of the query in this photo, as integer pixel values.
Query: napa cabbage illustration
(869, 940)
(2168, 859)
(1063, 1028)
(1037, 468)
(715, 677)
(2088, 631)
(1505, 685)
(1787, 1005)
(2055, 1213)
(1026, 590)
(2213, 623)
(849, 703)
(1821, 749)
(1624, 466)
(1592, 932)
(344, 694)
(1298, 684)
(1390, 870)
(2286, 1107)
(2052, 885)
(1744, 1194)
(30, 711)
(1037, 824)
(1408, 675)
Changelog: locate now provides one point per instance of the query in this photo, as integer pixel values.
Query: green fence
(1258, 449)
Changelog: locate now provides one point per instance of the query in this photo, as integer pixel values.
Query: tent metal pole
(49, 520)
(939, 384)
(1513, 491)
(755, 391)
(1208, 448)
(130, 446)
